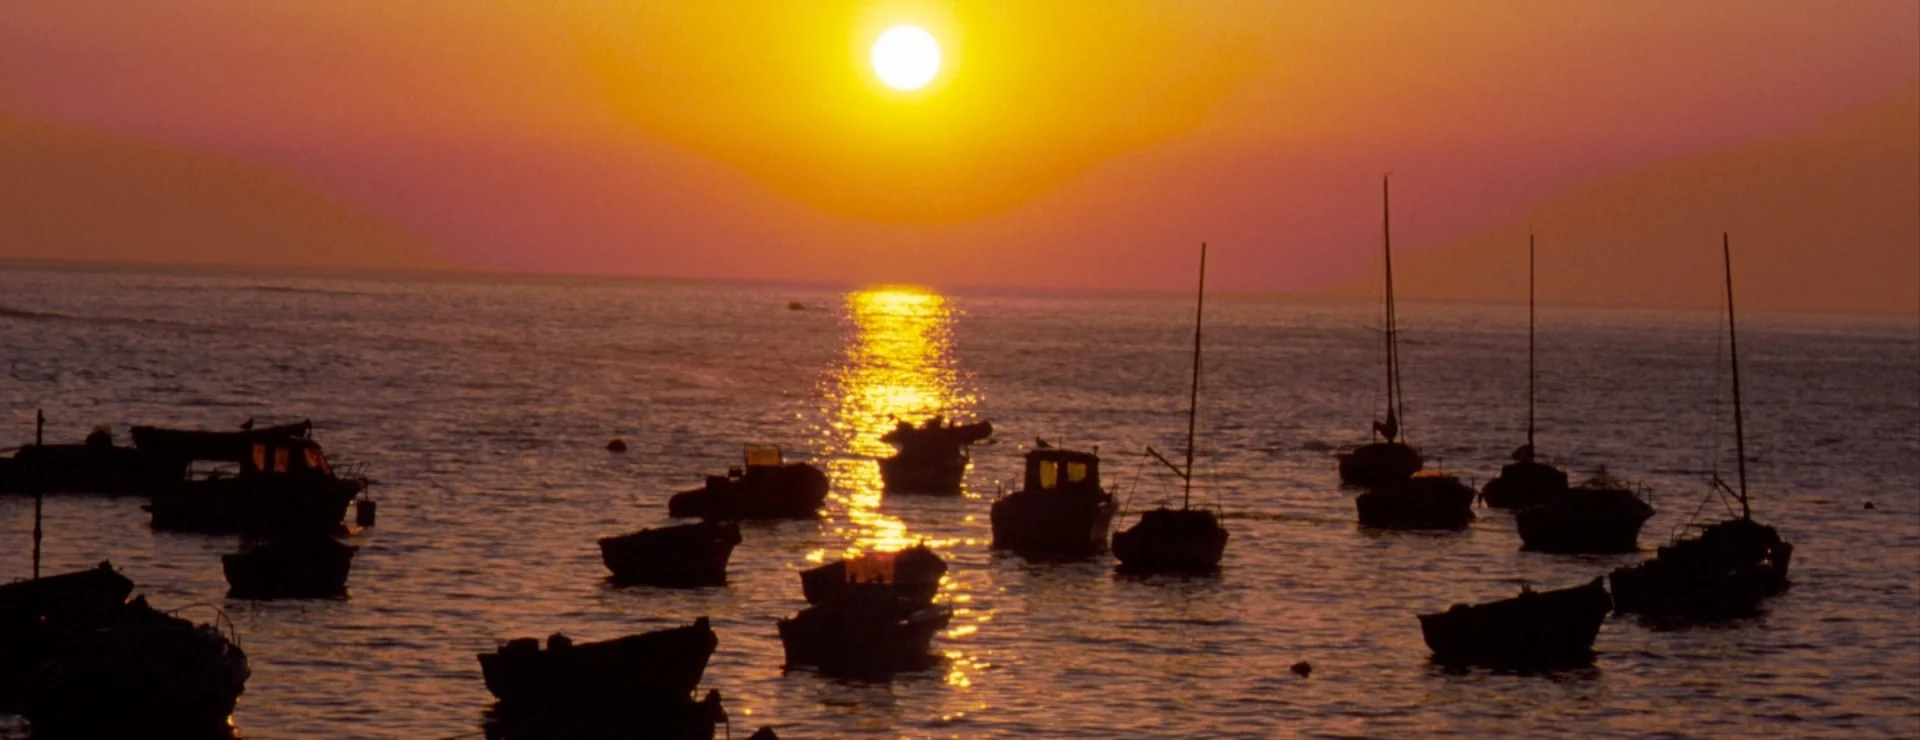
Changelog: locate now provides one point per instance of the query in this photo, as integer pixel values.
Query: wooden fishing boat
(659, 667)
(680, 556)
(310, 567)
(767, 487)
(1060, 511)
(1537, 629)
(930, 458)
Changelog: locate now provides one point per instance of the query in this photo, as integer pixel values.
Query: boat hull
(304, 568)
(1551, 629)
(938, 477)
(1066, 523)
(1585, 522)
(793, 491)
(864, 638)
(1723, 573)
(914, 575)
(257, 505)
(148, 675)
(1524, 484)
(1420, 502)
(661, 667)
(1379, 463)
(683, 556)
(86, 468)
(1172, 541)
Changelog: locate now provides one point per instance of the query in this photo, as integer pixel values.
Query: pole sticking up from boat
(1393, 354)
(1733, 352)
(39, 438)
(1530, 376)
(1193, 398)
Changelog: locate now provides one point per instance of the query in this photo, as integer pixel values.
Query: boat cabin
(1056, 469)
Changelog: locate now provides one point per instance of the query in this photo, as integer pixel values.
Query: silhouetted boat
(653, 669)
(1428, 500)
(868, 631)
(95, 466)
(766, 488)
(284, 484)
(1183, 540)
(930, 458)
(309, 567)
(42, 617)
(680, 556)
(913, 574)
(1550, 629)
(1731, 565)
(1060, 509)
(147, 674)
(676, 720)
(1525, 482)
(1385, 460)
(1602, 515)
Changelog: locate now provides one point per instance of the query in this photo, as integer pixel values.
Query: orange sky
(1069, 144)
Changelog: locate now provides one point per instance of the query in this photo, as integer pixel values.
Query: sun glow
(906, 57)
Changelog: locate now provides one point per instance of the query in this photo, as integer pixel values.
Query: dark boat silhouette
(310, 567)
(871, 617)
(145, 674)
(1060, 509)
(653, 670)
(913, 573)
(679, 720)
(42, 617)
(765, 488)
(1600, 516)
(1183, 540)
(1525, 481)
(1428, 500)
(1386, 459)
(1731, 565)
(284, 484)
(1537, 629)
(930, 458)
(680, 556)
(94, 466)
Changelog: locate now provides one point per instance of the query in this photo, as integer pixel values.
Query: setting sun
(906, 57)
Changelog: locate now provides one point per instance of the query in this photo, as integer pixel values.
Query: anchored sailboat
(1731, 565)
(1526, 482)
(1184, 539)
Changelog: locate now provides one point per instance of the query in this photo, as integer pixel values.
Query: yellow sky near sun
(1028, 94)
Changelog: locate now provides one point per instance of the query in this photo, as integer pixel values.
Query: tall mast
(1393, 355)
(1530, 380)
(1193, 397)
(1733, 352)
(39, 438)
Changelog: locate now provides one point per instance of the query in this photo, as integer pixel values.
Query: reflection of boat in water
(871, 616)
(1732, 564)
(284, 484)
(310, 567)
(930, 458)
(652, 673)
(913, 573)
(1184, 539)
(680, 556)
(1059, 511)
(1526, 482)
(1537, 629)
(1387, 459)
(766, 488)
(1602, 515)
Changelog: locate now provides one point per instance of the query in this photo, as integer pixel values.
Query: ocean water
(482, 405)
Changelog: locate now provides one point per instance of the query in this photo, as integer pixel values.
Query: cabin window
(280, 459)
(316, 461)
(1049, 474)
(259, 457)
(1076, 472)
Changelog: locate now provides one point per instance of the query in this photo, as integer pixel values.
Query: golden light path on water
(899, 367)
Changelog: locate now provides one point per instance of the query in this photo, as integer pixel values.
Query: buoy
(618, 445)
(1869, 504)
(364, 511)
(1302, 669)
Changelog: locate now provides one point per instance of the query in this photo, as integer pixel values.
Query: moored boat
(867, 632)
(1060, 509)
(1537, 629)
(94, 466)
(929, 458)
(913, 573)
(1601, 516)
(1386, 459)
(680, 556)
(1183, 540)
(145, 675)
(661, 667)
(1428, 500)
(1526, 481)
(1731, 565)
(310, 567)
(767, 487)
(284, 484)
(40, 618)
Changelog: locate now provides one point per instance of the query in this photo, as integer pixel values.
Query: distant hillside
(72, 194)
(1826, 222)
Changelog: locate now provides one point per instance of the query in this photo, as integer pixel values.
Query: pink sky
(684, 140)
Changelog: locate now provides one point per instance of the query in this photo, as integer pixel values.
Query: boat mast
(1733, 352)
(39, 438)
(1393, 355)
(1193, 397)
(1530, 377)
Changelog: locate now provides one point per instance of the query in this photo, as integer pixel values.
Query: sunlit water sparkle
(483, 405)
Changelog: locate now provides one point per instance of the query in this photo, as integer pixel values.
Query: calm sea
(482, 407)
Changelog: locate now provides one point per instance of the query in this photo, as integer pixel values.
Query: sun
(906, 57)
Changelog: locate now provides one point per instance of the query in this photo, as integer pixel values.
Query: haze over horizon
(1059, 148)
